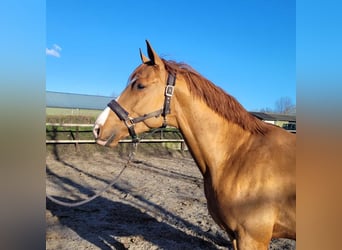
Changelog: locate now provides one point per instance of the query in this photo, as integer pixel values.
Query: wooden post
(77, 138)
(183, 146)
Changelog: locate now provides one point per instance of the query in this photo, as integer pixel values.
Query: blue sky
(248, 48)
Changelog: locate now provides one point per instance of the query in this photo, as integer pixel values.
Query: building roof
(262, 116)
(274, 116)
(79, 101)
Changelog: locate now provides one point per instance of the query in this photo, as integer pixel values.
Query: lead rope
(75, 204)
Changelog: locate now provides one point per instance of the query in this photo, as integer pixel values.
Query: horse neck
(210, 137)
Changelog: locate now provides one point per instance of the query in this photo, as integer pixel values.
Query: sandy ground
(157, 203)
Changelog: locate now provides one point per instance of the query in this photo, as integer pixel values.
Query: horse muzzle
(100, 141)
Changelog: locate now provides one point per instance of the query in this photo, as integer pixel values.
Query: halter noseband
(130, 122)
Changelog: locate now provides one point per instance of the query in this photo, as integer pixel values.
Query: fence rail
(69, 125)
(76, 141)
(121, 141)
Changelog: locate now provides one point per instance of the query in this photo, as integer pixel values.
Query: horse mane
(216, 98)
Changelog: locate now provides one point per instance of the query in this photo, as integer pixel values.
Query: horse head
(143, 105)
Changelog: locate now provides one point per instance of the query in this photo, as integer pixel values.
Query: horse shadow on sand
(109, 224)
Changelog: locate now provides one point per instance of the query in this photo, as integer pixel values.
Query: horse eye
(140, 86)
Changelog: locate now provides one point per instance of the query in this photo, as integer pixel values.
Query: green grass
(72, 112)
(83, 119)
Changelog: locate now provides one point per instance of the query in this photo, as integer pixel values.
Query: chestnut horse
(248, 165)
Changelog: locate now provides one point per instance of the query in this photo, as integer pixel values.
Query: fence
(75, 135)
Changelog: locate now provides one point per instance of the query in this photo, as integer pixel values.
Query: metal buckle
(129, 122)
(169, 90)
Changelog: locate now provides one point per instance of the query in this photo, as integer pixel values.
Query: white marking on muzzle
(100, 121)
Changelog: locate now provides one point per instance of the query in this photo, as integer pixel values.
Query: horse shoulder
(265, 162)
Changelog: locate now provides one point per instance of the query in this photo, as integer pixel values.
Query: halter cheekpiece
(130, 122)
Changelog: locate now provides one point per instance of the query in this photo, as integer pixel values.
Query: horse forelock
(218, 100)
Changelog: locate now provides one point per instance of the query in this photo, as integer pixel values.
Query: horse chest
(217, 207)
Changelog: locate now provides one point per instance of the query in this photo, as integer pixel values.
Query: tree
(284, 105)
(266, 110)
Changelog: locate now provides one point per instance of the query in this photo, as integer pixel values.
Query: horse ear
(144, 59)
(155, 59)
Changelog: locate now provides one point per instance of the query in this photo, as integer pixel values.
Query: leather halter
(130, 122)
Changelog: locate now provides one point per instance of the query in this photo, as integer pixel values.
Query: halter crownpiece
(170, 87)
(130, 122)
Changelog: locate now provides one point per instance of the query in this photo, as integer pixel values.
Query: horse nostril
(96, 131)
